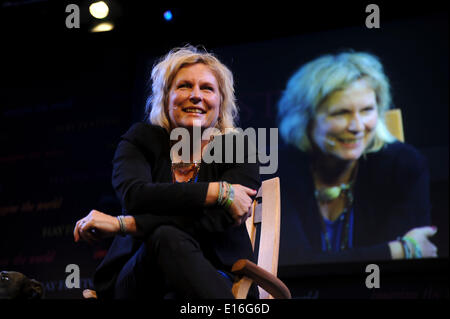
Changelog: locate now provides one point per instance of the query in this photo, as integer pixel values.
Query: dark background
(67, 95)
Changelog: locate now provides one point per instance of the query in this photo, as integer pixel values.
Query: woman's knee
(170, 238)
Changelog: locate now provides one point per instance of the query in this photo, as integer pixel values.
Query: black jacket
(391, 196)
(142, 180)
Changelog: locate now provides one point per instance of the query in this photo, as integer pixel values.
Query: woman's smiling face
(194, 96)
(345, 123)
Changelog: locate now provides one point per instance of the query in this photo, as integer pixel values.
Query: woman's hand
(95, 226)
(242, 202)
(420, 235)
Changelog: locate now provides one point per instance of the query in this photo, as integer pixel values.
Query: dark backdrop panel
(63, 110)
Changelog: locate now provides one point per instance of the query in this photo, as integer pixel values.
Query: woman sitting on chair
(351, 191)
(184, 224)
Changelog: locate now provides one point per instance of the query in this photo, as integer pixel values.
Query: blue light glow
(168, 15)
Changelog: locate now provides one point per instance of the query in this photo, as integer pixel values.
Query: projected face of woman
(345, 123)
(194, 97)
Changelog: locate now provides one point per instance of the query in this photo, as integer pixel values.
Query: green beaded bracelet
(219, 198)
(406, 250)
(417, 253)
(226, 194)
(230, 197)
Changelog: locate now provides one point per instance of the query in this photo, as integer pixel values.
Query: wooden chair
(264, 231)
(394, 123)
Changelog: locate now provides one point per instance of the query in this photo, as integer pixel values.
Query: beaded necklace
(331, 193)
(345, 216)
(186, 168)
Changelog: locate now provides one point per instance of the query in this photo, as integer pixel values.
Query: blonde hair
(165, 70)
(317, 80)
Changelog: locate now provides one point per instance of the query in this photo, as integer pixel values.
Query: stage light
(103, 27)
(168, 15)
(99, 9)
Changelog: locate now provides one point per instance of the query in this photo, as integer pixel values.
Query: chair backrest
(394, 123)
(264, 227)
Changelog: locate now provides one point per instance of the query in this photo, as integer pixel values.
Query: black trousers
(171, 264)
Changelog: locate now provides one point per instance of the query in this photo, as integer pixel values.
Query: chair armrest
(262, 278)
